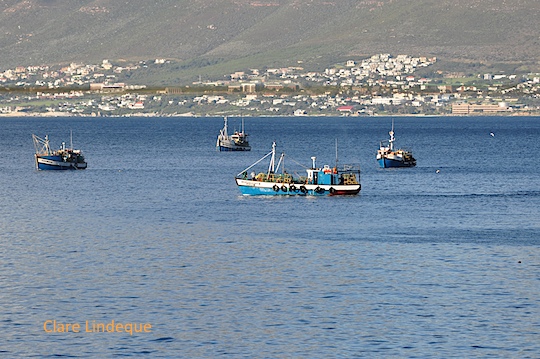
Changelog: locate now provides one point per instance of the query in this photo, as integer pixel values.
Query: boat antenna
(71, 139)
(336, 155)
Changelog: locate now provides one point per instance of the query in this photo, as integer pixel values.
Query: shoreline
(191, 115)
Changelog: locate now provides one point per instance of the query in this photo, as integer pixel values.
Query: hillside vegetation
(208, 37)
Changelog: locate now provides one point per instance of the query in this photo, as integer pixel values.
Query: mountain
(206, 37)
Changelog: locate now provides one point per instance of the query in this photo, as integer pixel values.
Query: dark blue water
(420, 265)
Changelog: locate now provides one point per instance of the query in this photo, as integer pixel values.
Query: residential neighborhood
(379, 85)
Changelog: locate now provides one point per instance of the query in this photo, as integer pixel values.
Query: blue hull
(277, 189)
(227, 149)
(45, 167)
(254, 191)
(55, 163)
(386, 163)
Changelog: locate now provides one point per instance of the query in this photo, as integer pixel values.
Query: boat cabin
(325, 175)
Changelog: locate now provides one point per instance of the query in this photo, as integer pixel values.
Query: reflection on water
(420, 264)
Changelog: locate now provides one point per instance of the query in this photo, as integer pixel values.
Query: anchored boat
(61, 159)
(235, 142)
(318, 181)
(387, 156)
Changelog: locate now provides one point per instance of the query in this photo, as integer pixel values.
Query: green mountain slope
(209, 36)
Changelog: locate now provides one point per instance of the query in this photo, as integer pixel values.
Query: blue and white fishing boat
(61, 159)
(318, 181)
(388, 157)
(235, 142)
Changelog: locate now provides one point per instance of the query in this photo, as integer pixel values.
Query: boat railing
(350, 173)
(353, 167)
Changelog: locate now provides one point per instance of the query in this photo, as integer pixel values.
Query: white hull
(252, 187)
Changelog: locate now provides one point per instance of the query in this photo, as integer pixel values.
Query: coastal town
(379, 85)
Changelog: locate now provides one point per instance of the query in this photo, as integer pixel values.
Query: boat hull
(390, 163)
(226, 148)
(56, 163)
(256, 188)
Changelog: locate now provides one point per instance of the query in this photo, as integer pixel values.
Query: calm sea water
(420, 265)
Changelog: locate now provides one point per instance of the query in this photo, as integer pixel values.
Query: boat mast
(46, 145)
(273, 159)
(392, 139)
(41, 145)
(222, 134)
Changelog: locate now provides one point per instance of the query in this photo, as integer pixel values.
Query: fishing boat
(235, 142)
(61, 159)
(388, 156)
(318, 181)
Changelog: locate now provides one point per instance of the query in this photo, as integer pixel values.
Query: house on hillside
(345, 109)
(136, 106)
